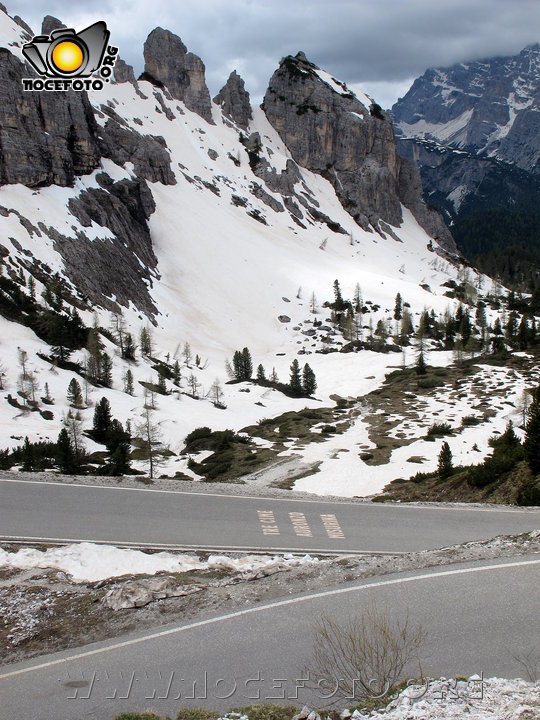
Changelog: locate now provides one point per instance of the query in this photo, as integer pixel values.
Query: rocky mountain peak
(233, 99)
(349, 140)
(50, 23)
(169, 64)
(489, 106)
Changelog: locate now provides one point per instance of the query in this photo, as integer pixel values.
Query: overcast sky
(378, 46)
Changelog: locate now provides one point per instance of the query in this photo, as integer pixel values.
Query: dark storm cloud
(376, 44)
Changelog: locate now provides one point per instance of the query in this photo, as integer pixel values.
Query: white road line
(262, 608)
(332, 527)
(268, 522)
(300, 524)
(411, 506)
(25, 540)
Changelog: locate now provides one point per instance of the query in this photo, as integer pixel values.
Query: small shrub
(439, 429)
(470, 420)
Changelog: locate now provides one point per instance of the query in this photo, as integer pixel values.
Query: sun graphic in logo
(67, 56)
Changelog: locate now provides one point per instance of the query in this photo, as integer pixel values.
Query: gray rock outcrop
(141, 592)
(332, 133)
(45, 138)
(233, 98)
(148, 153)
(169, 64)
(123, 72)
(50, 23)
(117, 271)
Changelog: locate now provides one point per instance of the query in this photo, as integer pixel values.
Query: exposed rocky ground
(44, 610)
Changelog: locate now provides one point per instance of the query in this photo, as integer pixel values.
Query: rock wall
(168, 63)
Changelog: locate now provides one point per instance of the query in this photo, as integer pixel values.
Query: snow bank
(88, 562)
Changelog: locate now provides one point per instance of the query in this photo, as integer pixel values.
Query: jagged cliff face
(169, 64)
(350, 141)
(233, 99)
(328, 130)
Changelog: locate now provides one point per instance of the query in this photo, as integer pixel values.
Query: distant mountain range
(474, 130)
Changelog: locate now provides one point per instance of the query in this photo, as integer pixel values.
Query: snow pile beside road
(88, 562)
(475, 699)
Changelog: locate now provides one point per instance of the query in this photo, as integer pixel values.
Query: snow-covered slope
(231, 272)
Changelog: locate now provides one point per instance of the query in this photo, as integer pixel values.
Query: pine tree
(47, 399)
(421, 367)
(398, 308)
(339, 304)
(102, 420)
(95, 349)
(512, 327)
(161, 384)
(481, 319)
(445, 462)
(523, 333)
(65, 455)
(532, 434)
(32, 287)
(274, 376)
(128, 352)
(106, 370)
(145, 342)
(118, 445)
(247, 364)
(177, 374)
(295, 382)
(74, 394)
(261, 376)
(308, 380)
(128, 382)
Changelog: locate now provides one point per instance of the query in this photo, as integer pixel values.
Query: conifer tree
(532, 434)
(247, 364)
(445, 462)
(421, 367)
(102, 420)
(74, 394)
(106, 370)
(177, 374)
(274, 376)
(308, 380)
(128, 382)
(65, 455)
(145, 341)
(128, 352)
(161, 384)
(398, 308)
(295, 381)
(261, 376)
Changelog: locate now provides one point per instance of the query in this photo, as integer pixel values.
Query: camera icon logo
(68, 54)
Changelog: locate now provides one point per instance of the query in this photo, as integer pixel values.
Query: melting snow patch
(88, 562)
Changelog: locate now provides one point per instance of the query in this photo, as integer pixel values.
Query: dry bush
(362, 657)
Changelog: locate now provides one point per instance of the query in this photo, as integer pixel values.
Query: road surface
(476, 616)
(59, 512)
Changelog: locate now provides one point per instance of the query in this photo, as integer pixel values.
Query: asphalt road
(476, 616)
(40, 510)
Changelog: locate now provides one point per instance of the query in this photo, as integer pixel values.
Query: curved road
(476, 617)
(58, 512)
